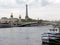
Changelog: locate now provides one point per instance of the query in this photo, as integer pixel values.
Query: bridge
(22, 24)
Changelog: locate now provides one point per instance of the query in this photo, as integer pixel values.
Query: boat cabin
(54, 30)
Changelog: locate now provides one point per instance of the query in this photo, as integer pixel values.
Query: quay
(30, 24)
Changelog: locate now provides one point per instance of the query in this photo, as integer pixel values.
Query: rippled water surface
(22, 35)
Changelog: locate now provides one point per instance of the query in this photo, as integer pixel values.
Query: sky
(42, 9)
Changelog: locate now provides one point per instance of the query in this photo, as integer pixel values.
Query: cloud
(7, 3)
(44, 2)
(36, 3)
(54, 3)
(32, 3)
(40, 8)
(14, 3)
(20, 2)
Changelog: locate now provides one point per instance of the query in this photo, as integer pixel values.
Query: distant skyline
(42, 9)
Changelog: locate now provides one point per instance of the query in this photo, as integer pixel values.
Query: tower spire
(26, 17)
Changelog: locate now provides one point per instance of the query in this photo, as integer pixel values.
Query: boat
(52, 37)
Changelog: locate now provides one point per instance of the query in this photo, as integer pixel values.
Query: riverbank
(7, 25)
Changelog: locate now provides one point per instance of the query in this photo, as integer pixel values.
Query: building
(13, 20)
(4, 20)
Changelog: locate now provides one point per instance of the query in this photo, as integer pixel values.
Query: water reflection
(51, 42)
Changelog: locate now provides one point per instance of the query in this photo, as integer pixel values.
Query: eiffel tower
(26, 17)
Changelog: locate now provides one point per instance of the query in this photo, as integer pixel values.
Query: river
(22, 35)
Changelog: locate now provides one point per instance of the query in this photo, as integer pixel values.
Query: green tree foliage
(29, 20)
(40, 21)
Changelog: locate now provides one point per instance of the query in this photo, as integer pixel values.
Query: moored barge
(52, 37)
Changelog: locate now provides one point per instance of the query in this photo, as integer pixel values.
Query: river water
(22, 35)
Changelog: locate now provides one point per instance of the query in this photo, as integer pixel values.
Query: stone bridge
(22, 24)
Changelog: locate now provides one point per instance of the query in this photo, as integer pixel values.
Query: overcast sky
(42, 9)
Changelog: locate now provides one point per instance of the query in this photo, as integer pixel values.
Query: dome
(11, 14)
